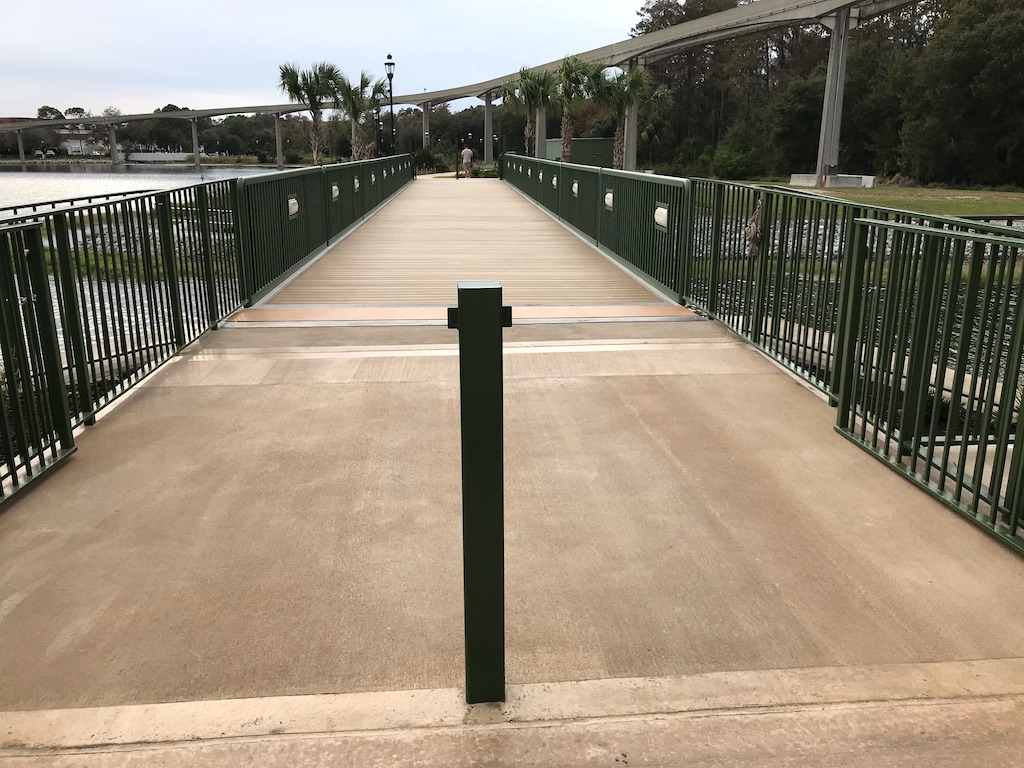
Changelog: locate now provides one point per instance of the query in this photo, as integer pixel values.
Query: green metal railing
(288, 217)
(127, 281)
(640, 220)
(133, 281)
(932, 375)
(18, 211)
(768, 265)
(781, 269)
(35, 432)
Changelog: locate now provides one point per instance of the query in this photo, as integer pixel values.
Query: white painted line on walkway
(299, 353)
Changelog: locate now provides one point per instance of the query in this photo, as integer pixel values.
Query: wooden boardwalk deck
(405, 263)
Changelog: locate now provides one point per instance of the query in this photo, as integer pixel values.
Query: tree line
(934, 91)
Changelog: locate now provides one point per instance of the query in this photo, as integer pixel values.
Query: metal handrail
(909, 322)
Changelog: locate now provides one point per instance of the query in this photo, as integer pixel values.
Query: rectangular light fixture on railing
(575, 189)
(293, 206)
(335, 192)
(661, 216)
(554, 182)
(609, 200)
(355, 184)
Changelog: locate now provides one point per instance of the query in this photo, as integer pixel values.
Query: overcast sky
(139, 56)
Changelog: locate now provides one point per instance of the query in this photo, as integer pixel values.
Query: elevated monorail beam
(748, 19)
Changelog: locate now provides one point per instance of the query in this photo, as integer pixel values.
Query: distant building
(77, 140)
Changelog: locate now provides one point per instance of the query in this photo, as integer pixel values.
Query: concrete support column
(113, 145)
(835, 84)
(426, 123)
(195, 143)
(280, 146)
(540, 148)
(631, 138)
(21, 147)
(488, 131)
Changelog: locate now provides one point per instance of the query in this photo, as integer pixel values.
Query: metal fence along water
(97, 293)
(35, 431)
(916, 324)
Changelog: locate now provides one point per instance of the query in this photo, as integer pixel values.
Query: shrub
(435, 159)
(729, 163)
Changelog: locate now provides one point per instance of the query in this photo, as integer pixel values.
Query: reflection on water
(37, 183)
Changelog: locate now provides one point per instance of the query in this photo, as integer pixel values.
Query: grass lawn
(949, 202)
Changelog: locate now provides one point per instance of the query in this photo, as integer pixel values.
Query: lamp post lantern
(389, 68)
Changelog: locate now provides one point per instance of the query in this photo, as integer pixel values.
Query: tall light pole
(389, 67)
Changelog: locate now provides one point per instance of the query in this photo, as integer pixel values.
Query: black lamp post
(389, 68)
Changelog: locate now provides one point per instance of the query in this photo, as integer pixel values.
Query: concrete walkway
(277, 514)
(255, 558)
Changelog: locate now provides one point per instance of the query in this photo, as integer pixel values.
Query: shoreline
(105, 163)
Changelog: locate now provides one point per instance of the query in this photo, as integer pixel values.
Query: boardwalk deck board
(441, 231)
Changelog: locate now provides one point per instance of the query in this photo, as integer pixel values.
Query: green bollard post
(479, 319)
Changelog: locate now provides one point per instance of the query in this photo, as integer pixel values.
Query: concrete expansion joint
(898, 689)
(484, 717)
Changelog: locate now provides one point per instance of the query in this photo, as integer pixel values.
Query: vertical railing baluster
(206, 244)
(75, 330)
(163, 213)
(49, 350)
(846, 368)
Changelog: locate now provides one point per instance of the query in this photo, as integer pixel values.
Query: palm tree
(530, 92)
(576, 80)
(311, 88)
(621, 93)
(357, 99)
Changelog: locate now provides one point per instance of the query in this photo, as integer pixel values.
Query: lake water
(34, 183)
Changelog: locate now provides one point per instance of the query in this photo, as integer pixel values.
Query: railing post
(73, 317)
(717, 225)
(206, 243)
(848, 323)
(761, 265)
(1015, 481)
(56, 389)
(13, 350)
(241, 211)
(684, 240)
(165, 227)
(851, 290)
(325, 195)
(479, 319)
(919, 363)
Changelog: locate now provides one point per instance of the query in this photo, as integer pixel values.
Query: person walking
(467, 159)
